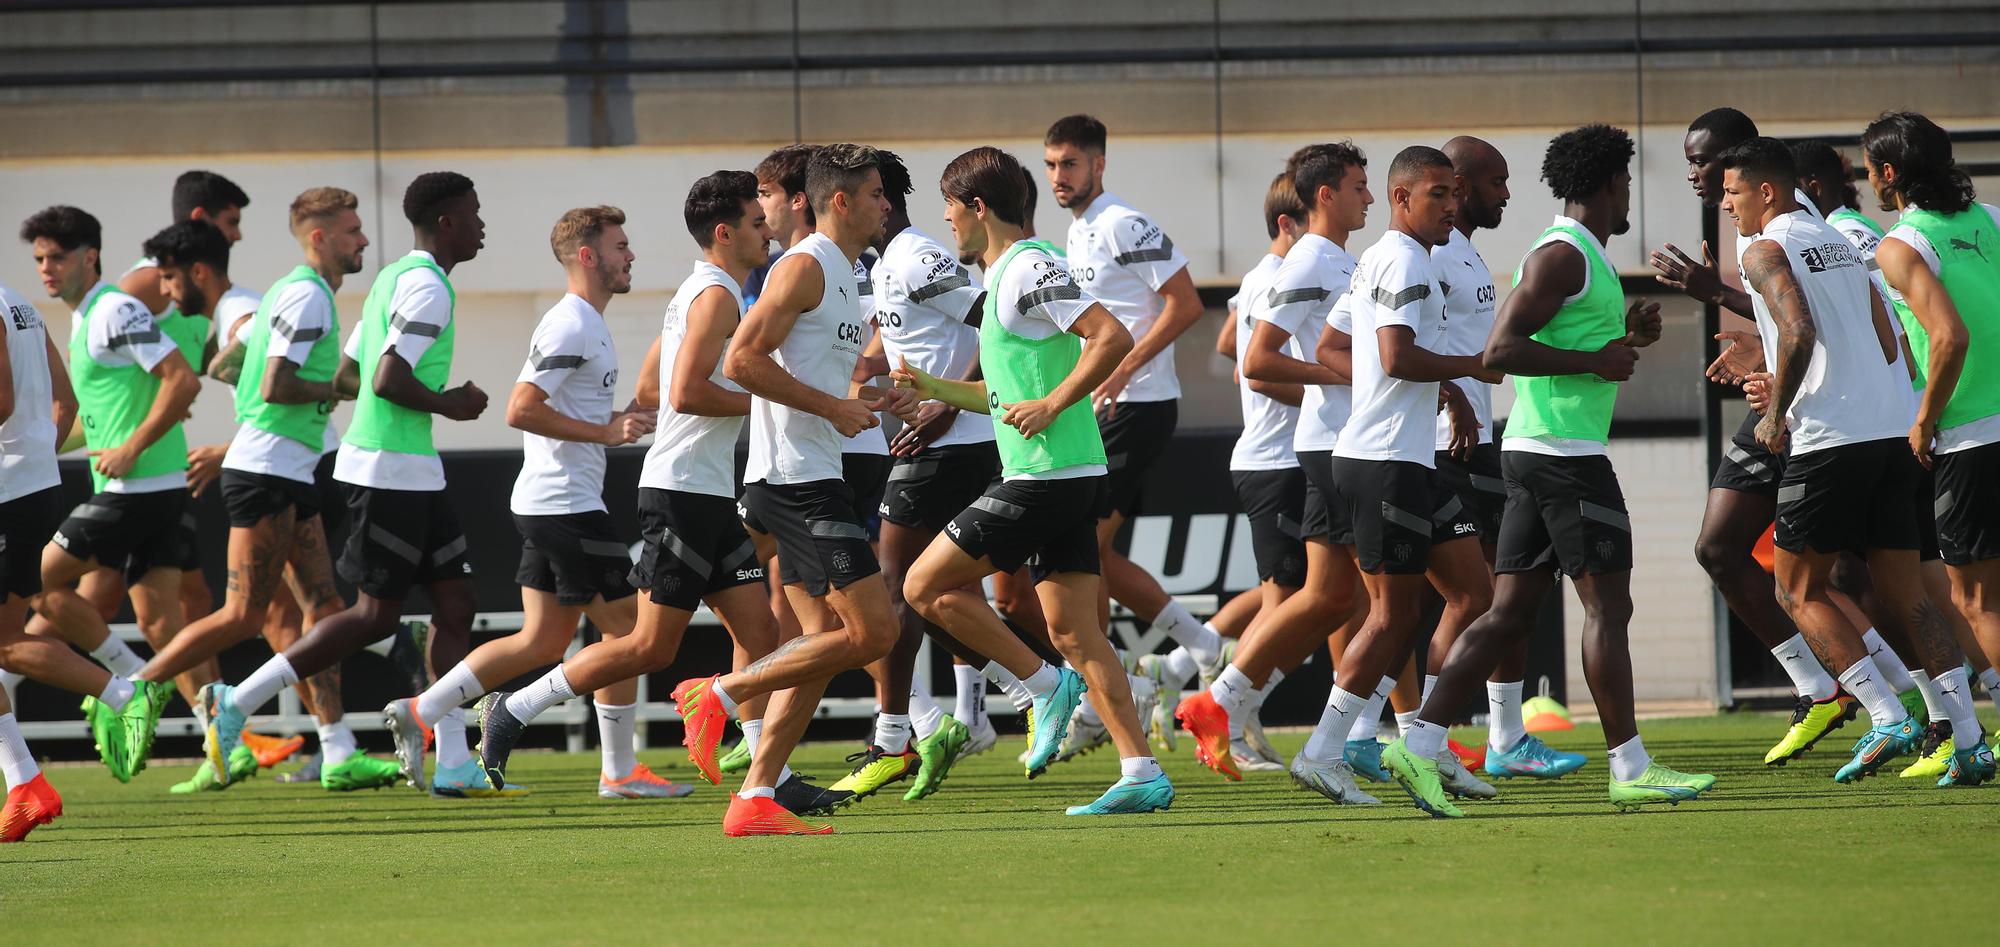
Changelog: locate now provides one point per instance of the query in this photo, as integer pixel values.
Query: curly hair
(1581, 161)
(184, 244)
(896, 185)
(70, 227)
(1926, 174)
(425, 199)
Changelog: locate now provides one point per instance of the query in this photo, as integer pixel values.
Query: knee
(1609, 615)
(1474, 601)
(874, 640)
(1715, 556)
(919, 590)
(654, 649)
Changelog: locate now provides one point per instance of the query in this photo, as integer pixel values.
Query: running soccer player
(1331, 180)
(1128, 264)
(1568, 338)
(1044, 348)
(696, 549)
(1937, 260)
(795, 354)
(133, 387)
(35, 404)
(405, 532)
(572, 562)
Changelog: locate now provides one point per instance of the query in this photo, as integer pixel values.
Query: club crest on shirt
(24, 317)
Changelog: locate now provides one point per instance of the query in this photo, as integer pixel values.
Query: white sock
(1866, 684)
(456, 688)
(1043, 682)
(925, 714)
(784, 774)
(1203, 644)
(1628, 760)
(15, 761)
(1139, 767)
(1369, 724)
(10, 680)
(1017, 693)
(449, 731)
(1886, 661)
(1329, 740)
(263, 684)
(1234, 691)
(759, 792)
(617, 730)
(1426, 739)
(1430, 681)
(970, 695)
(1990, 679)
(1934, 708)
(1264, 693)
(1809, 680)
(117, 656)
(1504, 726)
(728, 702)
(117, 693)
(1404, 718)
(892, 732)
(753, 730)
(1956, 694)
(336, 743)
(547, 691)
(1181, 667)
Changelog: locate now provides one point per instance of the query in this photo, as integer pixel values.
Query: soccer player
(1044, 348)
(572, 562)
(1128, 264)
(35, 404)
(795, 354)
(1331, 180)
(1938, 260)
(696, 549)
(133, 388)
(1567, 337)
(404, 531)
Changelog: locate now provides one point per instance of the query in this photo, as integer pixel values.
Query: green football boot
(242, 765)
(737, 759)
(1913, 703)
(141, 718)
(1656, 785)
(877, 768)
(1812, 720)
(107, 732)
(937, 752)
(1933, 755)
(1419, 778)
(360, 771)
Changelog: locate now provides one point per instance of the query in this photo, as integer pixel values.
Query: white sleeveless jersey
(692, 453)
(922, 300)
(875, 440)
(1850, 392)
(1469, 307)
(28, 436)
(792, 446)
(1268, 424)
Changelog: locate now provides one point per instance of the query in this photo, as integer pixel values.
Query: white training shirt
(28, 436)
(1469, 305)
(421, 297)
(1268, 424)
(1850, 393)
(572, 359)
(923, 300)
(875, 440)
(1301, 296)
(1036, 298)
(1393, 419)
(1974, 433)
(1550, 445)
(125, 333)
(692, 453)
(792, 446)
(1121, 259)
(302, 315)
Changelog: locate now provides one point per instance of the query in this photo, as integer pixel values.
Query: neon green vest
(190, 334)
(1019, 368)
(1849, 213)
(115, 399)
(1968, 251)
(305, 423)
(1573, 406)
(381, 424)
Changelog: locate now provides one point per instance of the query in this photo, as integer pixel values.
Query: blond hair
(320, 204)
(582, 226)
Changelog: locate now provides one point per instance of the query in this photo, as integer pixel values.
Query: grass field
(1773, 856)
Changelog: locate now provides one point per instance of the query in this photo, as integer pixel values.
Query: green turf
(1773, 856)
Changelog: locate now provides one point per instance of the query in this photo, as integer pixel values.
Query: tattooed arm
(1767, 270)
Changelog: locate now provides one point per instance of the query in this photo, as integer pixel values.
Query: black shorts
(1927, 527)
(1274, 501)
(1844, 499)
(576, 556)
(1967, 504)
(695, 547)
(1400, 510)
(131, 532)
(1323, 515)
(401, 538)
(254, 497)
(1566, 512)
(1047, 525)
(1746, 466)
(1134, 437)
(821, 545)
(1479, 484)
(26, 523)
(927, 490)
(867, 475)
(332, 499)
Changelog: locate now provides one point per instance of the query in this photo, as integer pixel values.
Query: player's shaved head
(1473, 157)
